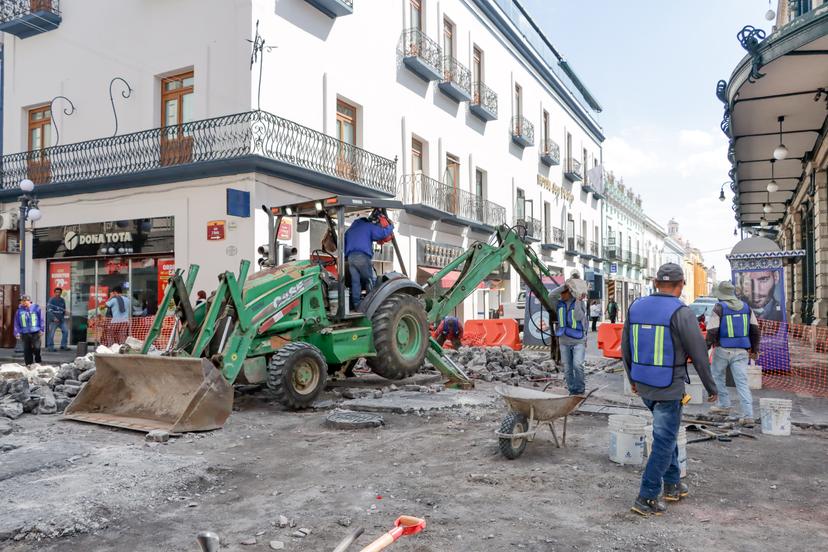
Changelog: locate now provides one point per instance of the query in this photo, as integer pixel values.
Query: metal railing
(415, 42)
(522, 127)
(534, 227)
(456, 72)
(645, 262)
(484, 96)
(581, 244)
(594, 250)
(15, 9)
(573, 166)
(627, 256)
(553, 235)
(253, 133)
(551, 150)
(420, 189)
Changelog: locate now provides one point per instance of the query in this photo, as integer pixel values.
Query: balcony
(594, 185)
(594, 250)
(571, 246)
(25, 18)
(421, 55)
(553, 238)
(645, 262)
(333, 8)
(573, 171)
(530, 229)
(431, 198)
(523, 132)
(612, 251)
(550, 153)
(456, 82)
(580, 243)
(628, 257)
(250, 141)
(483, 102)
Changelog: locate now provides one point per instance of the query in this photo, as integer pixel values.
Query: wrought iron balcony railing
(627, 257)
(594, 249)
(253, 133)
(421, 54)
(645, 262)
(523, 131)
(419, 189)
(551, 152)
(483, 102)
(573, 170)
(553, 236)
(612, 249)
(534, 227)
(456, 80)
(581, 244)
(25, 18)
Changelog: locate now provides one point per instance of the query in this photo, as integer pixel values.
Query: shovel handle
(380, 544)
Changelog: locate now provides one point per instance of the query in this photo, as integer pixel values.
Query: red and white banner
(60, 276)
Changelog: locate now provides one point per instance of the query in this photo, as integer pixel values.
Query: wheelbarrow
(529, 410)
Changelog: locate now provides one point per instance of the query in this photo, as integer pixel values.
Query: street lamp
(721, 192)
(28, 211)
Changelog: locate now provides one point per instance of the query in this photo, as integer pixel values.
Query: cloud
(709, 164)
(627, 160)
(697, 139)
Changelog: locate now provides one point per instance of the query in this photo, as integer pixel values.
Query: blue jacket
(56, 307)
(28, 320)
(360, 236)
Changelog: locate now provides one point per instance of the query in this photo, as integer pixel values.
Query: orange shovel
(404, 526)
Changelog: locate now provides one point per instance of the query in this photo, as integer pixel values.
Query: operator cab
(330, 253)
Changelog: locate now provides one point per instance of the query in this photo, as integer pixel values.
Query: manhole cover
(347, 419)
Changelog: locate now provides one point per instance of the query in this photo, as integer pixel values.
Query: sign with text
(285, 229)
(216, 230)
(559, 191)
(60, 276)
(166, 270)
(120, 237)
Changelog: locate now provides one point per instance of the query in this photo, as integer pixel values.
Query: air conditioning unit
(8, 220)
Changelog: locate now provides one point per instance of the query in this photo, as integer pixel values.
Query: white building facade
(454, 107)
(654, 236)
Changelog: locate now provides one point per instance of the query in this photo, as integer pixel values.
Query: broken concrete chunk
(9, 408)
(283, 521)
(47, 403)
(5, 426)
(158, 436)
(277, 545)
(248, 542)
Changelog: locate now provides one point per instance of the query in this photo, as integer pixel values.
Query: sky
(653, 65)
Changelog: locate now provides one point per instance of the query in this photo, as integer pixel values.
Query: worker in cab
(359, 251)
(572, 327)
(451, 330)
(660, 333)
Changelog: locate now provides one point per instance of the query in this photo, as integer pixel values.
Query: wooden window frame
(345, 163)
(176, 147)
(177, 94)
(416, 6)
(449, 32)
(545, 128)
(518, 101)
(39, 168)
(417, 153)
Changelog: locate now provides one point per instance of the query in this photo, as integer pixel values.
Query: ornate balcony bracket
(65, 112)
(124, 94)
(750, 37)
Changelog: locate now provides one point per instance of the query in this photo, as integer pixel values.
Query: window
(568, 148)
(346, 129)
(584, 156)
(452, 176)
(520, 204)
(448, 37)
(518, 101)
(547, 222)
(40, 128)
(415, 12)
(477, 64)
(416, 156)
(479, 183)
(545, 128)
(177, 99)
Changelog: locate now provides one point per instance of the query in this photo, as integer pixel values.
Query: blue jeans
(738, 361)
(50, 334)
(572, 357)
(362, 276)
(663, 463)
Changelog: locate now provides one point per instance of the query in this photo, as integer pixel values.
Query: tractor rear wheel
(400, 329)
(296, 374)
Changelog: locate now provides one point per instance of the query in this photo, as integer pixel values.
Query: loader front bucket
(143, 393)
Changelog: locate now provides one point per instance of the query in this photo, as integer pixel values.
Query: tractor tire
(296, 374)
(400, 330)
(514, 422)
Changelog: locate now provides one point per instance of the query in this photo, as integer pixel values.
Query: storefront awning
(449, 279)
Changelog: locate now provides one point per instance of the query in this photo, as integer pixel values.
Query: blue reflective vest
(651, 340)
(567, 325)
(734, 330)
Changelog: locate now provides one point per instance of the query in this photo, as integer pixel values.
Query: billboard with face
(764, 291)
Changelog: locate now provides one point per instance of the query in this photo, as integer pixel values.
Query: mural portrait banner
(764, 290)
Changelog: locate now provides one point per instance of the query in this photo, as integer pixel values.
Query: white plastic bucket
(681, 440)
(627, 439)
(776, 416)
(695, 389)
(754, 376)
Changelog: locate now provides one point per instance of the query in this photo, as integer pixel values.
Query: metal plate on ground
(348, 419)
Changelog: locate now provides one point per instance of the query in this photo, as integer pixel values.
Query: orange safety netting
(102, 330)
(794, 357)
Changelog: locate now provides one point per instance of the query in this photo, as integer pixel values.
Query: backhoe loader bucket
(143, 393)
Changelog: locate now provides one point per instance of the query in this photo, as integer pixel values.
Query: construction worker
(734, 331)
(359, 250)
(450, 329)
(572, 331)
(612, 310)
(28, 327)
(660, 332)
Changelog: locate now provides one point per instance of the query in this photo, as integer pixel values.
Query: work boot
(719, 410)
(648, 506)
(673, 492)
(746, 422)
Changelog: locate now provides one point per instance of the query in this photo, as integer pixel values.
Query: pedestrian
(572, 331)
(595, 314)
(56, 318)
(660, 332)
(450, 329)
(359, 250)
(118, 306)
(612, 310)
(734, 331)
(201, 297)
(28, 328)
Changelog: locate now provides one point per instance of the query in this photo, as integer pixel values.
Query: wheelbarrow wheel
(514, 422)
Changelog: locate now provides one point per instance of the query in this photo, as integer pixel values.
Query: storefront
(88, 261)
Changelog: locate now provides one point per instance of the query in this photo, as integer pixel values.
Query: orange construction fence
(492, 333)
(609, 339)
(102, 330)
(794, 357)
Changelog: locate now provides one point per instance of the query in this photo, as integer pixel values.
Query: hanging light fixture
(721, 192)
(773, 187)
(770, 15)
(734, 231)
(766, 208)
(780, 152)
(763, 222)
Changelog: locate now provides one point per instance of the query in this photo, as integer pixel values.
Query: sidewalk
(56, 358)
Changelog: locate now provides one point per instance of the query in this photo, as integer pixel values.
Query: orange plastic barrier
(609, 339)
(492, 333)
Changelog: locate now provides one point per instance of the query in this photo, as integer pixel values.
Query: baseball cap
(25, 298)
(670, 272)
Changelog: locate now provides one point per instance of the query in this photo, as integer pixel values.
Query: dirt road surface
(71, 486)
